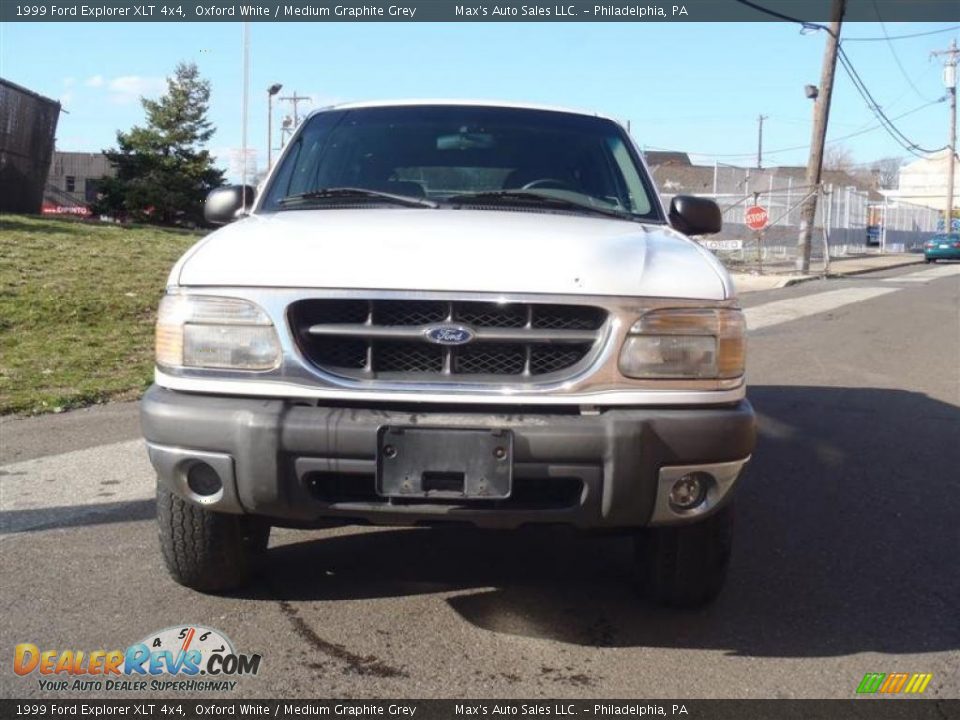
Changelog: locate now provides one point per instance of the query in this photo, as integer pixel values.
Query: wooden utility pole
(760, 119)
(950, 81)
(295, 100)
(822, 113)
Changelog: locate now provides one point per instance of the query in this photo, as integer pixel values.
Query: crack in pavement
(360, 664)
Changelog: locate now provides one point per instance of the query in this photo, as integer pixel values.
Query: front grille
(386, 339)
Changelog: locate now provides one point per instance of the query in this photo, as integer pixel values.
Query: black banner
(470, 11)
(170, 709)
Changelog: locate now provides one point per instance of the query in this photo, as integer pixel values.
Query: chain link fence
(849, 221)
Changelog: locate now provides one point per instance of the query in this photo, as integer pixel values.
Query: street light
(271, 91)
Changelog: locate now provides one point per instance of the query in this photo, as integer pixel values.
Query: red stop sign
(757, 217)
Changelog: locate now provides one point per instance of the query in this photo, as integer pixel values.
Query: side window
(71, 183)
(639, 202)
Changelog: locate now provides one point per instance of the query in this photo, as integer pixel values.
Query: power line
(875, 108)
(888, 38)
(896, 57)
(781, 16)
(778, 151)
(858, 83)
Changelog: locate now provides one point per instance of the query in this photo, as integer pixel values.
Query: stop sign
(757, 217)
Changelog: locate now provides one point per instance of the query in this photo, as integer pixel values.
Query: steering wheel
(547, 184)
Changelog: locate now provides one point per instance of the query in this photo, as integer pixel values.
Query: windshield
(446, 154)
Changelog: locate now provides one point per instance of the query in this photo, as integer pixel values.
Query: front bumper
(302, 465)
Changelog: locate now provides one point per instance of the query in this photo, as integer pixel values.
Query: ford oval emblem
(449, 334)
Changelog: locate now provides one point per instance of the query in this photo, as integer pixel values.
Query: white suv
(451, 311)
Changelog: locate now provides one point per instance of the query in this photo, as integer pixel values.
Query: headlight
(685, 344)
(215, 332)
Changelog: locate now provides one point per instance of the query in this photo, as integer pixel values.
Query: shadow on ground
(847, 542)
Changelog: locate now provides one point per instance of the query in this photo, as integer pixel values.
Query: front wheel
(685, 565)
(204, 550)
(928, 260)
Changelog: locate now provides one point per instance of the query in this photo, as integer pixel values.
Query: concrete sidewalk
(778, 275)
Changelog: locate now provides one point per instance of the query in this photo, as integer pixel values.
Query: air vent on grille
(387, 339)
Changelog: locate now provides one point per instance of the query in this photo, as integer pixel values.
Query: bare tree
(838, 157)
(887, 171)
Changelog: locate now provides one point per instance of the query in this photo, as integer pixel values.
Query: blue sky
(685, 86)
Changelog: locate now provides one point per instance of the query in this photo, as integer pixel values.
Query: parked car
(945, 246)
(451, 312)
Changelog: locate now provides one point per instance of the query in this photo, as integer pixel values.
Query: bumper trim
(173, 463)
(723, 477)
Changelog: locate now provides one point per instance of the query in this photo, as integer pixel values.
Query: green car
(942, 247)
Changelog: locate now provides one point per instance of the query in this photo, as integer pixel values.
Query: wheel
(685, 565)
(204, 550)
(928, 260)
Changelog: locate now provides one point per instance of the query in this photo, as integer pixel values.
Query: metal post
(760, 119)
(759, 235)
(244, 105)
(883, 226)
(826, 246)
(789, 200)
(271, 91)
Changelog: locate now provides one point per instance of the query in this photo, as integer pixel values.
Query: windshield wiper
(524, 197)
(351, 194)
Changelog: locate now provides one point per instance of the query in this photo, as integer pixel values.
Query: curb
(905, 263)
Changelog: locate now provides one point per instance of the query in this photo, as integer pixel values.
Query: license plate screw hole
(499, 453)
(389, 451)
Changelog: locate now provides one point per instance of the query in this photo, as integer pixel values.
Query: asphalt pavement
(846, 548)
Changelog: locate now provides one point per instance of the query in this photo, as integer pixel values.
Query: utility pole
(760, 119)
(808, 212)
(244, 104)
(950, 81)
(295, 100)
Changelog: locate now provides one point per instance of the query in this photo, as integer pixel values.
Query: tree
(887, 171)
(837, 157)
(163, 171)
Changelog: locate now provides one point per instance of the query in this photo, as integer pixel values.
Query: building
(28, 124)
(924, 182)
(74, 181)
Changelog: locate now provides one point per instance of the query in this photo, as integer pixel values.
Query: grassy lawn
(77, 307)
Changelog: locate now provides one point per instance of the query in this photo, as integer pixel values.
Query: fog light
(689, 491)
(203, 480)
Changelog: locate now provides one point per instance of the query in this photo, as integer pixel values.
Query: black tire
(204, 550)
(685, 566)
(928, 260)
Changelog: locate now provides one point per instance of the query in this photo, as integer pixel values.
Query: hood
(454, 250)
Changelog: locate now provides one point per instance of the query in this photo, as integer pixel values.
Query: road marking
(927, 275)
(56, 489)
(781, 311)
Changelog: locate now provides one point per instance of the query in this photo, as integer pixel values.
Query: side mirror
(224, 204)
(694, 215)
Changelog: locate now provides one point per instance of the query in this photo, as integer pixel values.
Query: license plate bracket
(454, 463)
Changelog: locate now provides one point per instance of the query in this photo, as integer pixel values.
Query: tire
(685, 566)
(928, 260)
(204, 550)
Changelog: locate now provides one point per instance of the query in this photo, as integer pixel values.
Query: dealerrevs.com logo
(186, 658)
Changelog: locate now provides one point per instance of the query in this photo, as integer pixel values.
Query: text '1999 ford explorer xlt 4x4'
(451, 311)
